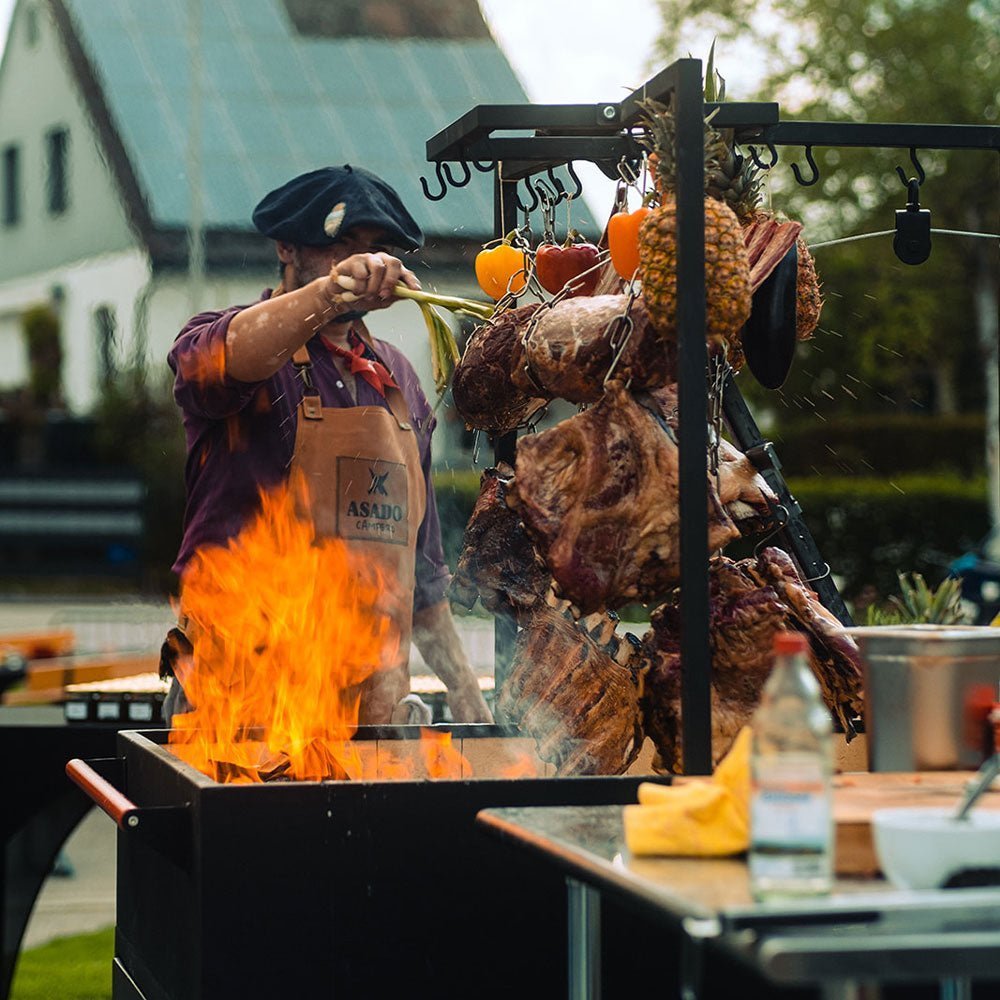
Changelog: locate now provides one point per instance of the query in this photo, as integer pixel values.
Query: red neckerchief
(371, 370)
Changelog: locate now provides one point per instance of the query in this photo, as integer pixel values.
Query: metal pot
(928, 692)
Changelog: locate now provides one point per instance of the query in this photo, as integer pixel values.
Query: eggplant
(769, 333)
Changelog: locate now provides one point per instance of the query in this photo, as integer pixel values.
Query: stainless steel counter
(864, 932)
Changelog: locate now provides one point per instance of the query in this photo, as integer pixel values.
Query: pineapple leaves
(918, 604)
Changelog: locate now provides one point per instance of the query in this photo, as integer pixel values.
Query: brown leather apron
(366, 486)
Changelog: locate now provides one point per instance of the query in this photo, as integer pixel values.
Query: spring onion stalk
(444, 349)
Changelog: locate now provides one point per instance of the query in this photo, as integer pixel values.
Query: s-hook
(466, 176)
(441, 182)
(921, 176)
(760, 164)
(812, 164)
(912, 242)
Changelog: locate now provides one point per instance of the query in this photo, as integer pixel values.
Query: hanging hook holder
(812, 166)
(912, 242)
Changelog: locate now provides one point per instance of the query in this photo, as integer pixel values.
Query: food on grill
(727, 273)
(571, 688)
(598, 495)
(750, 601)
(482, 388)
(570, 349)
(498, 564)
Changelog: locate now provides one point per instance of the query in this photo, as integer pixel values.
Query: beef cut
(498, 564)
(750, 601)
(598, 495)
(482, 388)
(570, 348)
(572, 689)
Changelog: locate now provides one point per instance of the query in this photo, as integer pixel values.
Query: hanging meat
(498, 564)
(598, 495)
(570, 348)
(750, 601)
(482, 389)
(571, 688)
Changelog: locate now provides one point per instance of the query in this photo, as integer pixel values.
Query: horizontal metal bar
(882, 135)
(554, 149)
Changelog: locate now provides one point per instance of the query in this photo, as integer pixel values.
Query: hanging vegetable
(501, 269)
(556, 265)
(623, 241)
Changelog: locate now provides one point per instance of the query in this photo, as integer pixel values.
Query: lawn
(73, 968)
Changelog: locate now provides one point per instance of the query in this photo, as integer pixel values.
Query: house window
(11, 185)
(105, 331)
(57, 146)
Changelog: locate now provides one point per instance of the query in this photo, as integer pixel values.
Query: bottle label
(790, 807)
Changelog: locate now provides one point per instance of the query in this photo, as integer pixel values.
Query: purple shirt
(241, 435)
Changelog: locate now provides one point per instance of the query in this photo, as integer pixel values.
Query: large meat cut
(571, 687)
(482, 389)
(570, 348)
(750, 601)
(498, 564)
(598, 495)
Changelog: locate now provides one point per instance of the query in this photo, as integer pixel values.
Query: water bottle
(791, 765)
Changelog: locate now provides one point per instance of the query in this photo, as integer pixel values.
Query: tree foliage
(891, 335)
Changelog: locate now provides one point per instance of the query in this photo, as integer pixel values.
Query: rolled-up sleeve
(202, 386)
(432, 572)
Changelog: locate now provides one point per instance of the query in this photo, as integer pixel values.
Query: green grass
(72, 968)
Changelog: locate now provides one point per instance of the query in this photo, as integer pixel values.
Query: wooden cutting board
(856, 796)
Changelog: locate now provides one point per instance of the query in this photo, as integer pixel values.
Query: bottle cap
(790, 642)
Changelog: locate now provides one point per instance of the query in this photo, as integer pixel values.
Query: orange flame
(285, 630)
(522, 766)
(441, 759)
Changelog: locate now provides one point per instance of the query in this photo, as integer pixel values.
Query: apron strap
(312, 405)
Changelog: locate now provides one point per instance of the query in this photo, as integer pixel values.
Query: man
(295, 383)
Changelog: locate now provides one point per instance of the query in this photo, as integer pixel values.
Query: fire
(285, 630)
(441, 759)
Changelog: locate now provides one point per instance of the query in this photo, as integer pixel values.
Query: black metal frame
(600, 133)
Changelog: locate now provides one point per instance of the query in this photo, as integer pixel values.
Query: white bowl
(923, 848)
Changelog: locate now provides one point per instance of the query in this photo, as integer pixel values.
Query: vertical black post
(696, 660)
(505, 448)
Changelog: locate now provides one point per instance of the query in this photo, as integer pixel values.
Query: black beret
(314, 209)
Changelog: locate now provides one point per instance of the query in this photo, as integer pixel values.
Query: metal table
(847, 944)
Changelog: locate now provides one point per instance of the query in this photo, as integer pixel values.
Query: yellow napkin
(700, 818)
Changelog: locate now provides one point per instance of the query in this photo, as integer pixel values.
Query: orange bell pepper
(623, 241)
(500, 270)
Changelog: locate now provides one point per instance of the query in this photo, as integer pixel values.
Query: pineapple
(727, 272)
(735, 179)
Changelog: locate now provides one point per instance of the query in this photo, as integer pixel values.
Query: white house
(123, 123)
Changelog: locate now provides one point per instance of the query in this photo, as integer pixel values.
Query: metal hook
(561, 193)
(779, 523)
(822, 576)
(441, 181)
(628, 173)
(921, 176)
(812, 164)
(760, 163)
(534, 197)
(578, 184)
(486, 167)
(451, 180)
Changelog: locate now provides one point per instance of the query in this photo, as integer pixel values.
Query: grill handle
(121, 809)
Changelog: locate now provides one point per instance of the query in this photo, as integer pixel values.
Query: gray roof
(276, 103)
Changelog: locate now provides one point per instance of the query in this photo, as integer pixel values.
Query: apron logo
(378, 483)
(372, 500)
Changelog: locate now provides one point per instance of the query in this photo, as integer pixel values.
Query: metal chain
(718, 369)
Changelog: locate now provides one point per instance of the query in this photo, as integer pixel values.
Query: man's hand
(439, 645)
(374, 277)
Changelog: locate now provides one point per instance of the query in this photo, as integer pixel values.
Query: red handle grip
(121, 809)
